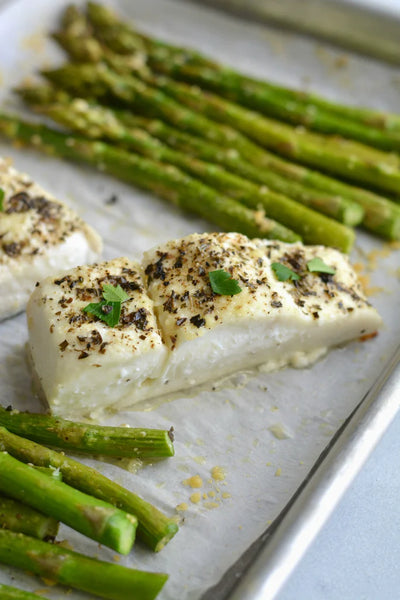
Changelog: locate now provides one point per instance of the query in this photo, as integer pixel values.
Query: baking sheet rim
(304, 516)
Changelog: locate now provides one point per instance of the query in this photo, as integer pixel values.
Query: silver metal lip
(377, 24)
(262, 570)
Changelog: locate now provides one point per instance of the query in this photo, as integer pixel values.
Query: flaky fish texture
(175, 332)
(39, 236)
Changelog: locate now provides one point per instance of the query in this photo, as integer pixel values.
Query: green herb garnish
(223, 284)
(1, 199)
(114, 293)
(109, 309)
(317, 265)
(283, 273)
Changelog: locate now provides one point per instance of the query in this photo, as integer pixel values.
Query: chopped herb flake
(283, 273)
(317, 265)
(223, 284)
(1, 199)
(113, 293)
(109, 309)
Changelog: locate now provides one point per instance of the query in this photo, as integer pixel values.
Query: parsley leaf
(317, 265)
(113, 293)
(1, 199)
(223, 284)
(109, 309)
(283, 273)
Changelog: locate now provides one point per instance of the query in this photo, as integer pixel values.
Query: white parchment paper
(263, 430)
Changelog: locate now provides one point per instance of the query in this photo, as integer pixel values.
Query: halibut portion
(83, 365)
(271, 322)
(175, 332)
(39, 236)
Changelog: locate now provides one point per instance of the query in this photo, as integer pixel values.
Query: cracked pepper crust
(32, 220)
(178, 282)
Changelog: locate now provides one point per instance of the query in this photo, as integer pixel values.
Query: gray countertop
(356, 556)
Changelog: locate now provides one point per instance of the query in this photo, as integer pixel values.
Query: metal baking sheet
(231, 426)
(376, 33)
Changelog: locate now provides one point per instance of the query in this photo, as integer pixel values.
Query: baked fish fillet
(39, 236)
(176, 333)
(83, 365)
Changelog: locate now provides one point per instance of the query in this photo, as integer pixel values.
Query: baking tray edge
(365, 27)
(264, 567)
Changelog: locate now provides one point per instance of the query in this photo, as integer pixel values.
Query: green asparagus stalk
(11, 593)
(164, 180)
(99, 122)
(276, 103)
(100, 82)
(19, 517)
(155, 529)
(69, 568)
(309, 187)
(379, 213)
(92, 439)
(94, 518)
(381, 216)
(298, 106)
(341, 157)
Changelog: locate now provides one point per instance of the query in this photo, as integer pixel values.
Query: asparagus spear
(11, 593)
(69, 568)
(381, 216)
(155, 529)
(94, 518)
(24, 519)
(77, 36)
(318, 112)
(164, 180)
(100, 122)
(93, 439)
(100, 82)
(346, 159)
(276, 103)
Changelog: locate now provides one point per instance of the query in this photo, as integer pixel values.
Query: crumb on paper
(182, 507)
(226, 495)
(200, 460)
(211, 505)
(48, 582)
(195, 498)
(193, 482)
(275, 42)
(113, 199)
(64, 543)
(279, 431)
(116, 558)
(341, 61)
(218, 473)
(278, 472)
(34, 42)
(365, 279)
